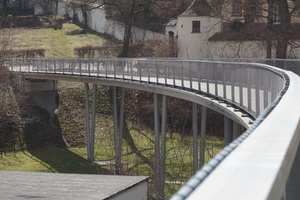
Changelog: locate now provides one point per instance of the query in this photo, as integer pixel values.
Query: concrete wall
(97, 21)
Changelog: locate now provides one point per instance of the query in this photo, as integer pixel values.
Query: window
(217, 5)
(259, 8)
(236, 7)
(196, 27)
(276, 19)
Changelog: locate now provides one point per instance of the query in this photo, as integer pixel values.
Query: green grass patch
(57, 43)
(48, 159)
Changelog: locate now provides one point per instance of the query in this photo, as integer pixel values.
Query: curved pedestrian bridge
(263, 99)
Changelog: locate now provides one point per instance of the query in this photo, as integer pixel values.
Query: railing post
(207, 77)
(224, 81)
(131, 71)
(190, 75)
(148, 67)
(80, 68)
(174, 83)
(54, 63)
(232, 74)
(249, 83)
(257, 92)
(215, 75)
(115, 69)
(89, 66)
(98, 67)
(199, 76)
(182, 80)
(123, 69)
(165, 73)
(139, 65)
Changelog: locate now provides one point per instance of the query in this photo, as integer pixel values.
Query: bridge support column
(228, 125)
(90, 133)
(92, 138)
(87, 119)
(202, 136)
(292, 187)
(157, 143)
(121, 128)
(115, 114)
(237, 130)
(195, 138)
(163, 145)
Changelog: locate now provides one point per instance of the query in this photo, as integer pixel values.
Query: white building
(202, 32)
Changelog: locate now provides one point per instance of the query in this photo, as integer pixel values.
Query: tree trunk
(127, 34)
(281, 48)
(269, 49)
(84, 13)
(285, 22)
(4, 9)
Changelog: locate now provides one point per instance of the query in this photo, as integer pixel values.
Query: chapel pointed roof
(199, 8)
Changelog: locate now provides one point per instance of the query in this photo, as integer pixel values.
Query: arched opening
(172, 52)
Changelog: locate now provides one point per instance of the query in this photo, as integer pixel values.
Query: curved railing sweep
(254, 166)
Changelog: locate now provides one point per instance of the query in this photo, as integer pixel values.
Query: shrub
(139, 49)
(26, 53)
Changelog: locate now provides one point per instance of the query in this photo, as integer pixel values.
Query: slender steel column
(228, 125)
(236, 130)
(87, 119)
(163, 143)
(195, 138)
(121, 124)
(157, 151)
(202, 136)
(93, 123)
(115, 124)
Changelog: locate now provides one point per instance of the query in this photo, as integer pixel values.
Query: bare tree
(45, 5)
(84, 6)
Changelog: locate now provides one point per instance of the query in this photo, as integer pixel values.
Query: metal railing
(247, 86)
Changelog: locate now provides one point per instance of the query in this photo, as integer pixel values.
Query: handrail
(241, 85)
(253, 88)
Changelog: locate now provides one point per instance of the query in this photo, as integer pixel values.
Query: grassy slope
(57, 43)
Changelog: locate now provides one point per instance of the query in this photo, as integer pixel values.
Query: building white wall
(190, 44)
(97, 21)
(138, 192)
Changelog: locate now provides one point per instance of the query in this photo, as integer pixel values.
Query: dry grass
(57, 43)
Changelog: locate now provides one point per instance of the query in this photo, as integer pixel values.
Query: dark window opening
(196, 27)
(236, 7)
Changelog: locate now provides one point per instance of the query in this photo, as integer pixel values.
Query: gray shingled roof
(172, 22)
(199, 8)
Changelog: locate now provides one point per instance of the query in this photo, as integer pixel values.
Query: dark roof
(257, 31)
(64, 186)
(172, 22)
(199, 8)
